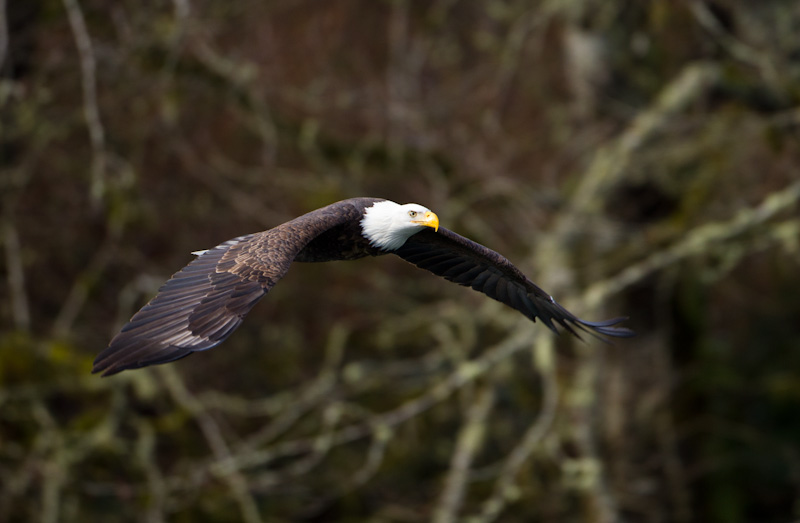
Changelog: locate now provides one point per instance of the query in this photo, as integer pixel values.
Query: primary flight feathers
(203, 303)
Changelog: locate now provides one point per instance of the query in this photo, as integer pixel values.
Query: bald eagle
(203, 303)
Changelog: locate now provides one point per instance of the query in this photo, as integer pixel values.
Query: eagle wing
(465, 262)
(203, 303)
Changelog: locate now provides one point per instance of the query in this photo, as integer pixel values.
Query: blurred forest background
(633, 158)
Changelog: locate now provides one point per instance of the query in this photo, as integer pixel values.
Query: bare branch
(505, 486)
(145, 452)
(441, 390)
(470, 439)
(16, 278)
(737, 48)
(611, 161)
(79, 292)
(91, 110)
(699, 240)
(235, 480)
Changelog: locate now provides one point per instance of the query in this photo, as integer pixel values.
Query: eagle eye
(412, 213)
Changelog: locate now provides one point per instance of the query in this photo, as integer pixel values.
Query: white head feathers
(388, 225)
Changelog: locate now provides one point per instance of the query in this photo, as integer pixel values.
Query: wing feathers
(501, 291)
(203, 303)
(467, 263)
(466, 278)
(479, 280)
(195, 310)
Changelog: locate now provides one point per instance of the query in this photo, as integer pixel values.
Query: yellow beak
(429, 220)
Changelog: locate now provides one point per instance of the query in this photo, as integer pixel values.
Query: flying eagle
(203, 303)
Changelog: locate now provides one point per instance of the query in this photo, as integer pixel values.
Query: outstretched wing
(203, 303)
(196, 309)
(462, 261)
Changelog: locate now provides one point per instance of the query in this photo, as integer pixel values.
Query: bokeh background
(634, 158)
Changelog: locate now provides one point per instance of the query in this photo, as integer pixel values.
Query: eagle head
(387, 225)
